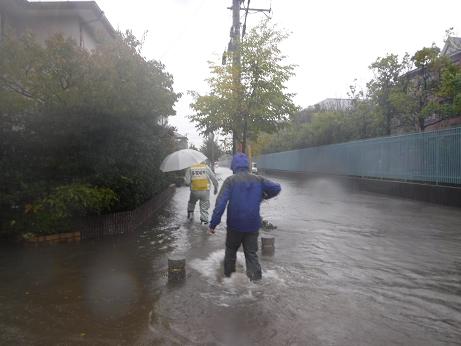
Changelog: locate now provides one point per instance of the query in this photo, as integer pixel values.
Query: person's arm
(270, 189)
(220, 206)
(213, 179)
(187, 177)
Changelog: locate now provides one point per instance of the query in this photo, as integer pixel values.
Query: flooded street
(348, 269)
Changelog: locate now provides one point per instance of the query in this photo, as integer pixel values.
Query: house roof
(88, 11)
(452, 49)
(455, 57)
(452, 46)
(177, 135)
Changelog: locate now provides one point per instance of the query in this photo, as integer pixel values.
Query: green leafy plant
(55, 212)
(70, 115)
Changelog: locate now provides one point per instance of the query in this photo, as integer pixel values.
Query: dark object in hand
(267, 225)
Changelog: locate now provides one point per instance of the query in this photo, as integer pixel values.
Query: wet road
(349, 269)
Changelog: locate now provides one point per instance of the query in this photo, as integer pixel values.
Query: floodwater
(348, 269)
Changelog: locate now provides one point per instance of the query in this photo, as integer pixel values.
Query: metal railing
(433, 157)
(98, 227)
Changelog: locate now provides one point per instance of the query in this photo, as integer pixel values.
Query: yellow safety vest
(199, 177)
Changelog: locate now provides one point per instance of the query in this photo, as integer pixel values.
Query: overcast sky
(332, 41)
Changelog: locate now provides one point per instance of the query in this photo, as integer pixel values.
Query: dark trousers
(250, 247)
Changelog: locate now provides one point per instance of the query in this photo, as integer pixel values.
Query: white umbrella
(181, 159)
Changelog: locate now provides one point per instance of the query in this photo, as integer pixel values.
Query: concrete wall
(45, 27)
(2, 23)
(87, 40)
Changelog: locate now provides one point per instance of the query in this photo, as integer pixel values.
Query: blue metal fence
(428, 156)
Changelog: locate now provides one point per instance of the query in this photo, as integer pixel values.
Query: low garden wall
(97, 227)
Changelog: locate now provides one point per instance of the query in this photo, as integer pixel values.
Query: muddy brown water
(360, 269)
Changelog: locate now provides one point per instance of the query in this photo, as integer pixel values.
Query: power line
(183, 30)
(245, 22)
(234, 47)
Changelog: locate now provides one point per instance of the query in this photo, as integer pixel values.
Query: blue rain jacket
(242, 192)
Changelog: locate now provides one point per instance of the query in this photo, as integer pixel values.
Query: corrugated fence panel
(428, 157)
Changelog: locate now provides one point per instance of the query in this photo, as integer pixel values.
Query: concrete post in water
(267, 245)
(176, 268)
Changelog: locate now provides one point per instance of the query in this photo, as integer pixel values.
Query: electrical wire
(184, 29)
(245, 22)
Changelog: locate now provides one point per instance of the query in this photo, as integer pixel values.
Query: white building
(81, 20)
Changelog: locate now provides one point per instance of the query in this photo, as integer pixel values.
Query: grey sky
(332, 41)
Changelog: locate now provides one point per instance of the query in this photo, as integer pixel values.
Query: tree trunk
(421, 124)
(388, 124)
(245, 126)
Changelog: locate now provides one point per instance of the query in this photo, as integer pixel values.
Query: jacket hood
(240, 162)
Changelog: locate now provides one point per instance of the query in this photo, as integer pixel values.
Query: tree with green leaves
(432, 88)
(79, 129)
(262, 101)
(385, 84)
(211, 149)
(425, 91)
(396, 99)
(429, 65)
(450, 91)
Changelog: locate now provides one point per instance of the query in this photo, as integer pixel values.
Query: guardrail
(98, 227)
(431, 157)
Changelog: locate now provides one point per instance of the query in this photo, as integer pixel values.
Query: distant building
(163, 120)
(452, 49)
(181, 141)
(83, 21)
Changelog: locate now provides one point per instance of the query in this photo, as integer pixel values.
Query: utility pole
(234, 47)
(236, 64)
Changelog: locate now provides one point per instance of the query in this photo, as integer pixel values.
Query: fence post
(176, 268)
(267, 245)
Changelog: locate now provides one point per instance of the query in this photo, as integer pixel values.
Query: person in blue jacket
(243, 193)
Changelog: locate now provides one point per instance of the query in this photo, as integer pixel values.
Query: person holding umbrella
(198, 176)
